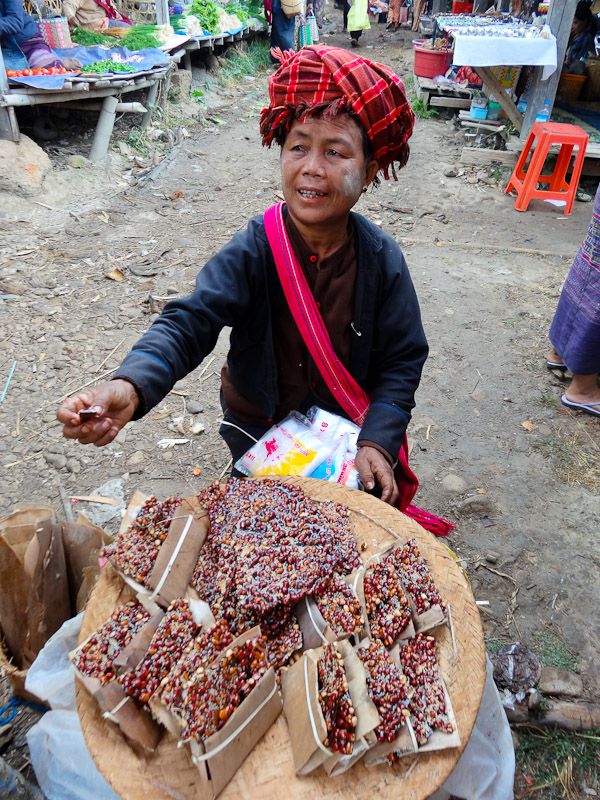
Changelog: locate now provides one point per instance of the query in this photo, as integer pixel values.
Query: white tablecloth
(499, 51)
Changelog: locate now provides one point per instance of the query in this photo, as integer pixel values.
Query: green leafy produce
(239, 10)
(207, 14)
(101, 67)
(141, 37)
(90, 39)
(255, 8)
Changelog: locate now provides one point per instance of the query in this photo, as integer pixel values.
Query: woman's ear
(371, 171)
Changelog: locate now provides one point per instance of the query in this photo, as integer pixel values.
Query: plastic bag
(288, 448)
(50, 677)
(321, 445)
(486, 769)
(63, 767)
(60, 759)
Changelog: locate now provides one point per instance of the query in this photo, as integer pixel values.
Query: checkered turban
(316, 76)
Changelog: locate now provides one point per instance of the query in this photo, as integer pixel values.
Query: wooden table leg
(499, 92)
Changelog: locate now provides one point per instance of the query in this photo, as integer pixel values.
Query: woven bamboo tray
(268, 772)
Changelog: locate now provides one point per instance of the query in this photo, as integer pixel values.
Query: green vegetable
(140, 39)
(239, 10)
(90, 39)
(207, 14)
(100, 67)
(255, 8)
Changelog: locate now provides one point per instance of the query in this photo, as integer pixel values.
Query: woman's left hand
(374, 469)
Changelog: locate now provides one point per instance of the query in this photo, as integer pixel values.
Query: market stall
(114, 62)
(482, 44)
(272, 764)
(423, 732)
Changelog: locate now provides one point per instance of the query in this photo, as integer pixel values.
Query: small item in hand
(335, 701)
(88, 414)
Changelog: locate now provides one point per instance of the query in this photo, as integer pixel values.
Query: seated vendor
(20, 32)
(581, 40)
(93, 15)
(338, 121)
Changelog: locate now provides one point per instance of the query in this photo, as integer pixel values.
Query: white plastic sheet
(50, 677)
(63, 767)
(486, 769)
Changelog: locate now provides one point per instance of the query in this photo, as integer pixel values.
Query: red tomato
(26, 72)
(11, 73)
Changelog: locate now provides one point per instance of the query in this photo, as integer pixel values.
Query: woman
(575, 330)
(282, 27)
(356, 19)
(94, 15)
(393, 17)
(339, 120)
(20, 34)
(581, 40)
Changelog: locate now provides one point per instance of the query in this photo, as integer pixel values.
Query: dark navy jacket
(15, 21)
(239, 288)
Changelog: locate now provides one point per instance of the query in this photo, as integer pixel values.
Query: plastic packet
(330, 468)
(288, 448)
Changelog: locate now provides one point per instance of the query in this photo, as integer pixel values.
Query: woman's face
(578, 26)
(324, 170)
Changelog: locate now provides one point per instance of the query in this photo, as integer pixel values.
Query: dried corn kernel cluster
(428, 711)
(135, 550)
(96, 656)
(213, 693)
(283, 545)
(416, 577)
(387, 604)
(175, 632)
(388, 689)
(197, 655)
(269, 546)
(340, 607)
(282, 645)
(335, 701)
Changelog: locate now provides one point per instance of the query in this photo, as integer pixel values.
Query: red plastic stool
(525, 182)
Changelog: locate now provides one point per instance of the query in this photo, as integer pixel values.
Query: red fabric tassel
(436, 525)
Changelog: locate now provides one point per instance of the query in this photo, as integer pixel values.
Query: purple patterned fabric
(38, 54)
(575, 329)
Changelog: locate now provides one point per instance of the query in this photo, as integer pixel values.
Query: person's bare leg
(584, 389)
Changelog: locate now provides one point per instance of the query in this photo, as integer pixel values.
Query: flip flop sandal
(556, 365)
(587, 408)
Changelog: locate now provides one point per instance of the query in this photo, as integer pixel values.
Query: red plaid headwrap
(318, 75)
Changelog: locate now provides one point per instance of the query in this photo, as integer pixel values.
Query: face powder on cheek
(352, 183)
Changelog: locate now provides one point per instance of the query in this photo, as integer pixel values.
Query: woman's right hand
(115, 403)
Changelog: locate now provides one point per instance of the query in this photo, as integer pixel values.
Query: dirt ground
(88, 267)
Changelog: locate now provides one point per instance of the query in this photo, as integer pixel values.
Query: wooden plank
(494, 123)
(449, 102)
(431, 86)
(506, 103)
(477, 156)
(560, 19)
